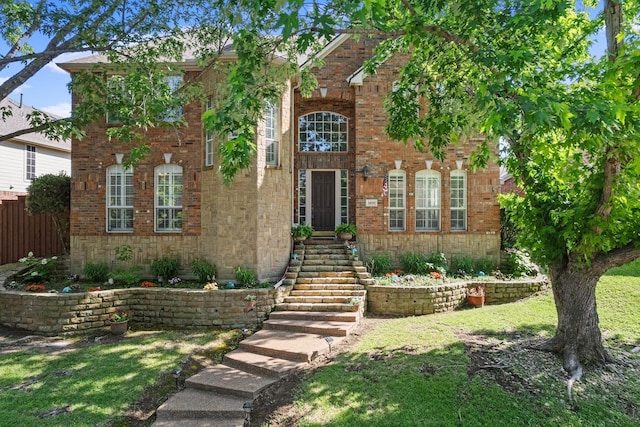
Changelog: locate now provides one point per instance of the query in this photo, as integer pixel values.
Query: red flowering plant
(147, 284)
(477, 291)
(36, 287)
(120, 315)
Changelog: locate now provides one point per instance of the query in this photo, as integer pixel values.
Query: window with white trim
(119, 199)
(272, 133)
(458, 200)
(30, 162)
(428, 200)
(173, 114)
(168, 198)
(323, 132)
(208, 139)
(397, 200)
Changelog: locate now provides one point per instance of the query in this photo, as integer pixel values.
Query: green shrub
(438, 260)
(124, 253)
(486, 265)
(204, 270)
(462, 265)
(245, 277)
(414, 263)
(96, 272)
(126, 276)
(519, 263)
(166, 266)
(378, 264)
(41, 269)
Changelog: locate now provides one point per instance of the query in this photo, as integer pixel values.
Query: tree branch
(33, 129)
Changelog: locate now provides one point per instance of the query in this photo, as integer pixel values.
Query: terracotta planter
(251, 304)
(477, 301)
(346, 236)
(119, 328)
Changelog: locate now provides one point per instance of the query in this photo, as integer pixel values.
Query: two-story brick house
(321, 160)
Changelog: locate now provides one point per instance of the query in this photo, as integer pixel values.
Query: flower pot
(476, 300)
(119, 328)
(251, 304)
(346, 236)
(355, 307)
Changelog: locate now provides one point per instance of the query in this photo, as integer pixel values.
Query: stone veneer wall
(57, 313)
(477, 245)
(418, 300)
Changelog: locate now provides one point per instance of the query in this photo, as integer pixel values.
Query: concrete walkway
(311, 322)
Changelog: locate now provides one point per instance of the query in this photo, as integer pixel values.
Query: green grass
(418, 371)
(98, 382)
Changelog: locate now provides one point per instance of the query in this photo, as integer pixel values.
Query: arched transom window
(322, 132)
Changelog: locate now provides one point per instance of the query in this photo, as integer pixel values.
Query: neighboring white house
(27, 156)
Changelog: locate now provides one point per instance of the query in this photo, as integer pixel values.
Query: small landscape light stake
(329, 341)
(176, 374)
(246, 407)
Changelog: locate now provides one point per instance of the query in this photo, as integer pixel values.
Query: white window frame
(323, 132)
(458, 198)
(30, 162)
(174, 114)
(397, 200)
(272, 133)
(168, 179)
(119, 199)
(209, 140)
(428, 200)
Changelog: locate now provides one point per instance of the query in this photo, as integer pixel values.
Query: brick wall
(52, 314)
(415, 301)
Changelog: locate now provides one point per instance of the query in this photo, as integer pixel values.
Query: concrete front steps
(296, 333)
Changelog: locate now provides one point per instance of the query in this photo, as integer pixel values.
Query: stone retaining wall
(417, 300)
(51, 314)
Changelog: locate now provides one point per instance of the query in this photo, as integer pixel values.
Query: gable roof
(18, 120)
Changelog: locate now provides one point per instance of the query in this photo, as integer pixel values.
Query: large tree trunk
(578, 339)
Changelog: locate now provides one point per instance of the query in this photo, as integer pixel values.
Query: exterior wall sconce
(428, 163)
(365, 172)
(119, 157)
(167, 158)
(323, 92)
(398, 163)
(459, 164)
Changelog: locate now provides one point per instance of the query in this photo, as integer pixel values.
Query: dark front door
(323, 201)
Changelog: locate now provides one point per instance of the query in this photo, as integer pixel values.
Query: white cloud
(65, 57)
(62, 109)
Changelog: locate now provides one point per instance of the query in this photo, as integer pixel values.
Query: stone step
(330, 274)
(313, 257)
(322, 284)
(200, 406)
(316, 280)
(313, 307)
(324, 251)
(311, 299)
(328, 293)
(324, 328)
(338, 268)
(228, 380)
(315, 315)
(231, 422)
(368, 282)
(298, 347)
(260, 364)
(312, 262)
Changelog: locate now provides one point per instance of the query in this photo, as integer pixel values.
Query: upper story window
(208, 139)
(322, 132)
(397, 200)
(124, 104)
(428, 200)
(272, 133)
(119, 199)
(30, 162)
(168, 198)
(458, 200)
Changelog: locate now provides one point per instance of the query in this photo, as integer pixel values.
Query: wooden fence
(21, 233)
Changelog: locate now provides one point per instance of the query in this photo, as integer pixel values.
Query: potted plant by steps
(346, 231)
(475, 296)
(355, 303)
(251, 301)
(119, 321)
(301, 232)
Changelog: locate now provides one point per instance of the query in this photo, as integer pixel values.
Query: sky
(48, 89)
